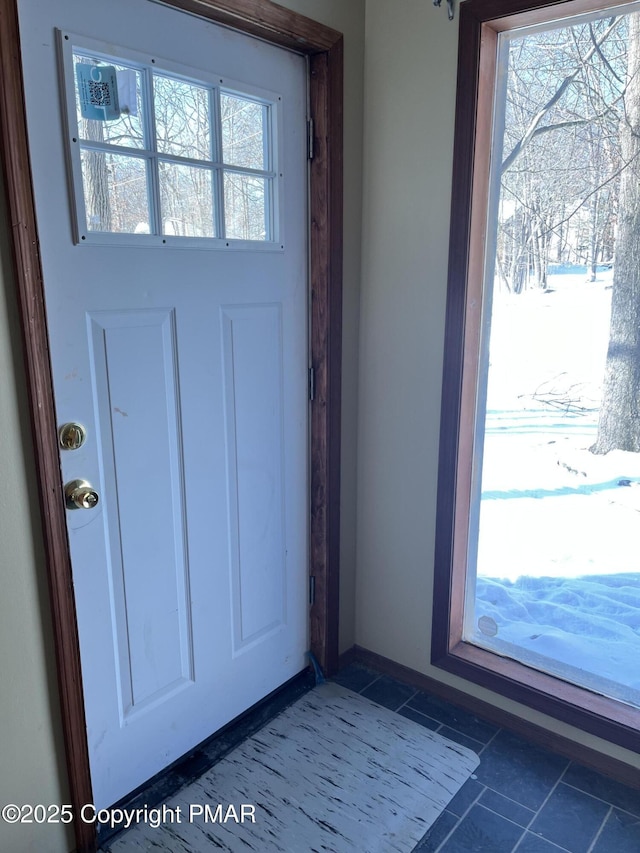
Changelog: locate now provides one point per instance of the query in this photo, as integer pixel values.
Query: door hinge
(312, 590)
(310, 134)
(312, 384)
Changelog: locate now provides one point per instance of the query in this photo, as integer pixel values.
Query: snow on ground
(558, 564)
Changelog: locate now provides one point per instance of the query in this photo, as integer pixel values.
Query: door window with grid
(161, 155)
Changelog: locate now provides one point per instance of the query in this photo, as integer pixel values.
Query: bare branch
(562, 88)
(602, 56)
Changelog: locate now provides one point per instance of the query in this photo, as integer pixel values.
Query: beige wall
(410, 84)
(31, 752)
(31, 755)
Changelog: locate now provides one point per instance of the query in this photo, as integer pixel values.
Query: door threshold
(199, 760)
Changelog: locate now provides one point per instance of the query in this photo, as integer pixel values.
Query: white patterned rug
(334, 773)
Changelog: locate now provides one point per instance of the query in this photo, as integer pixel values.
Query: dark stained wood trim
(480, 176)
(333, 350)
(504, 15)
(454, 337)
(16, 167)
(605, 764)
(591, 712)
(611, 720)
(325, 47)
(326, 349)
(266, 20)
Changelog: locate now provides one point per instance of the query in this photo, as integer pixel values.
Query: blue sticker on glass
(98, 91)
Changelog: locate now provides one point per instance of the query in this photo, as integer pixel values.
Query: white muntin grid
(149, 152)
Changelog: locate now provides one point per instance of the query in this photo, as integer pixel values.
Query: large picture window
(537, 569)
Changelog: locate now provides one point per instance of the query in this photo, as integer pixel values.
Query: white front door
(173, 240)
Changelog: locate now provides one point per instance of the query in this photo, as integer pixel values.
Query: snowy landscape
(558, 566)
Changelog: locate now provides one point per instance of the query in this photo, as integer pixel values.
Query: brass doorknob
(79, 494)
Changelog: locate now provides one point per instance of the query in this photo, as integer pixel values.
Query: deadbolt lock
(80, 495)
(72, 436)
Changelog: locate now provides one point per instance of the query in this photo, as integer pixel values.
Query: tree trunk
(97, 200)
(592, 259)
(619, 425)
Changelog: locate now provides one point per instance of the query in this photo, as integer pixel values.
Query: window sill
(598, 715)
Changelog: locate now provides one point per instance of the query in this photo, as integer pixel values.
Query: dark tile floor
(521, 799)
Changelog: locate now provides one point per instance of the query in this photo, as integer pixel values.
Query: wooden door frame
(324, 47)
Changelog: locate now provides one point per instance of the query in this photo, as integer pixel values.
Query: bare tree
(619, 425)
(560, 161)
(591, 103)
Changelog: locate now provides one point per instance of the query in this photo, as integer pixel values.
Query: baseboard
(588, 757)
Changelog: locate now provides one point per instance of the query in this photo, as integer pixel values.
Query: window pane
(127, 127)
(115, 192)
(245, 208)
(186, 199)
(554, 535)
(183, 125)
(243, 132)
